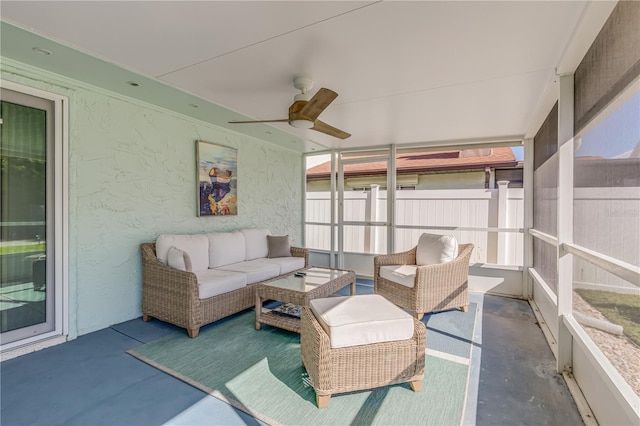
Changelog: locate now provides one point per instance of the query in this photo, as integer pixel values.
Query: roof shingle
(425, 162)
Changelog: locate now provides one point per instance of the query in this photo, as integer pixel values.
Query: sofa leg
(193, 332)
(146, 318)
(322, 400)
(416, 386)
(420, 316)
(464, 308)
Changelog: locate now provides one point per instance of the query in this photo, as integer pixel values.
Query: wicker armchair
(436, 287)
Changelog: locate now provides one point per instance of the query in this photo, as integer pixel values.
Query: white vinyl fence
(607, 220)
(466, 214)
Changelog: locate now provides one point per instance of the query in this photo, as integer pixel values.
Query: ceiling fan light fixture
(302, 124)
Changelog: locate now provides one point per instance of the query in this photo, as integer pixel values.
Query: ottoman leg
(416, 386)
(322, 400)
(464, 308)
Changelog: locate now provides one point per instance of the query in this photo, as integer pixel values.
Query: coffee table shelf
(318, 282)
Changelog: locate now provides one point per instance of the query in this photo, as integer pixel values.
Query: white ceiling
(406, 72)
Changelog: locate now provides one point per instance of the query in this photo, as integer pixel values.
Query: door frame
(383, 155)
(60, 225)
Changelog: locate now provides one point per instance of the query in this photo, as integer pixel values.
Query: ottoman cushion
(361, 320)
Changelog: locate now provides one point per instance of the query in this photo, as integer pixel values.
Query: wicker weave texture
(436, 288)
(171, 295)
(361, 367)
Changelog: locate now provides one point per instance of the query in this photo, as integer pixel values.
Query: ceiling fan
(304, 111)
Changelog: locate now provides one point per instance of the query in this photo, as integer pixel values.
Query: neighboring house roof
(427, 162)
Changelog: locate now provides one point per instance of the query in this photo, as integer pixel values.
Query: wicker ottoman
(363, 356)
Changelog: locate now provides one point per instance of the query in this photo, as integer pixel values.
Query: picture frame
(217, 179)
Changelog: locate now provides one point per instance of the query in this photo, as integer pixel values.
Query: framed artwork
(217, 179)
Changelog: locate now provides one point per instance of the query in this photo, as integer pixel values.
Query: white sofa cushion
(401, 274)
(255, 242)
(196, 246)
(361, 320)
(286, 264)
(179, 259)
(256, 270)
(226, 248)
(436, 249)
(213, 282)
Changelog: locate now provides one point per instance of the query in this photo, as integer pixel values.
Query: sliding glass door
(27, 290)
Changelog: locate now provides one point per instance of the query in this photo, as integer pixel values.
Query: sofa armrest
(301, 252)
(167, 293)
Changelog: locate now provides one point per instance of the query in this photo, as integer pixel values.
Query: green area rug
(261, 373)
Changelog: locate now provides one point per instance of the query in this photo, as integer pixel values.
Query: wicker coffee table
(318, 282)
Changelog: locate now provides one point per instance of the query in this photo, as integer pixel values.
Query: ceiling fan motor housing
(304, 84)
(296, 119)
(302, 97)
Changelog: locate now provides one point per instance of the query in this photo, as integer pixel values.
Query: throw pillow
(436, 249)
(278, 246)
(179, 259)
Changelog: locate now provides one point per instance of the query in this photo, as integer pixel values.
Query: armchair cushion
(361, 320)
(433, 249)
(179, 259)
(390, 272)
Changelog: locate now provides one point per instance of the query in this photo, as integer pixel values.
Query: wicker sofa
(222, 286)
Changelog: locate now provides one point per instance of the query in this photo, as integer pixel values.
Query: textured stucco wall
(132, 176)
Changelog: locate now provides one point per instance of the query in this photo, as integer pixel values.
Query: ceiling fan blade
(323, 127)
(318, 103)
(283, 120)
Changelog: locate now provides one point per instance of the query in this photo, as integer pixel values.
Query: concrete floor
(518, 383)
(92, 381)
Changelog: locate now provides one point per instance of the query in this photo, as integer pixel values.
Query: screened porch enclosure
(550, 201)
(568, 241)
(366, 216)
(493, 220)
